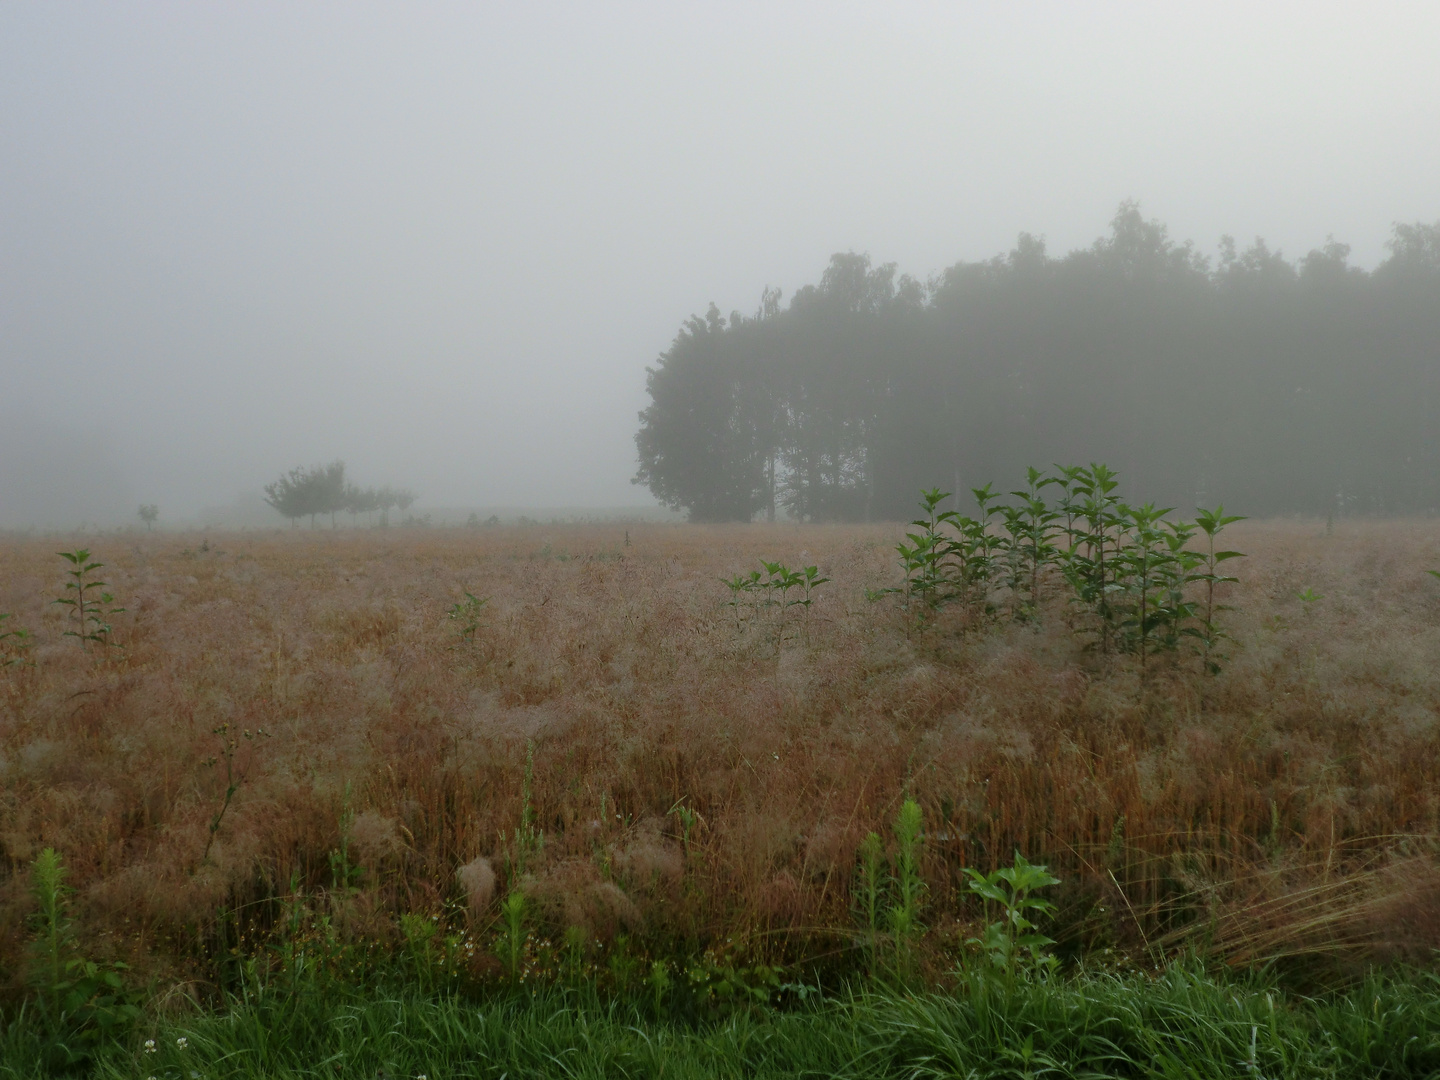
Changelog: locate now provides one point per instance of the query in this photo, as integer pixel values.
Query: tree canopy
(1279, 385)
(323, 489)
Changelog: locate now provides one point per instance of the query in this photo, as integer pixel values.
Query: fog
(444, 242)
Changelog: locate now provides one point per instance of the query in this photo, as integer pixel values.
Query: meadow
(566, 755)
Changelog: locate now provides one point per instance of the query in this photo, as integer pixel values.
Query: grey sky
(442, 242)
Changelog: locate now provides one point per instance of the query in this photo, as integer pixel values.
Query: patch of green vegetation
(87, 600)
(1178, 1023)
(1127, 572)
(14, 643)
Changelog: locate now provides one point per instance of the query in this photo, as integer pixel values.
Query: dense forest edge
(1304, 386)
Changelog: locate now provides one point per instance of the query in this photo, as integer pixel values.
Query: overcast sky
(442, 242)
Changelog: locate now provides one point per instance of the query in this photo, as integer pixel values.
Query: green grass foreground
(1182, 1023)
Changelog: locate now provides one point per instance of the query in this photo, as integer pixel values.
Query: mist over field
(444, 243)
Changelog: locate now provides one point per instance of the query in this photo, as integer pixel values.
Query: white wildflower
(150, 1046)
(182, 1042)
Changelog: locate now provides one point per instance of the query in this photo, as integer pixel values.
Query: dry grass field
(1288, 807)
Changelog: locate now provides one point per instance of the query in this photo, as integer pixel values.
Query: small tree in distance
(149, 513)
(322, 489)
(361, 501)
(293, 495)
(387, 499)
(332, 491)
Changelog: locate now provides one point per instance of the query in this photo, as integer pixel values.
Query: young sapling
(87, 599)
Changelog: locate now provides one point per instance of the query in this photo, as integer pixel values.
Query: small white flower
(150, 1046)
(182, 1042)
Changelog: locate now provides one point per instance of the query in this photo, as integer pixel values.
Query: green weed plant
(466, 615)
(81, 1003)
(15, 643)
(765, 598)
(1134, 576)
(88, 601)
(889, 894)
(1013, 942)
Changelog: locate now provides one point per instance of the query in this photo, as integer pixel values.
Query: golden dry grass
(1290, 805)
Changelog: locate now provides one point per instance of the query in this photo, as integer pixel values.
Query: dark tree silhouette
(302, 492)
(1285, 386)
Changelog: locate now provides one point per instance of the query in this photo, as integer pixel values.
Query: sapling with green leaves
(932, 560)
(87, 599)
(1012, 522)
(929, 573)
(810, 580)
(466, 615)
(14, 643)
(782, 580)
(750, 591)
(1212, 523)
(774, 589)
(1144, 561)
(765, 588)
(1070, 481)
(917, 560)
(1035, 522)
(1014, 943)
(1087, 565)
(1176, 612)
(982, 541)
(1133, 573)
(739, 587)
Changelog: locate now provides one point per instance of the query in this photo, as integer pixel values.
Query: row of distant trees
(1278, 385)
(323, 489)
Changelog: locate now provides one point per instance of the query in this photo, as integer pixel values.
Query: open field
(698, 790)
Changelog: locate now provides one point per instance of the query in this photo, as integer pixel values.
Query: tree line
(323, 489)
(1281, 385)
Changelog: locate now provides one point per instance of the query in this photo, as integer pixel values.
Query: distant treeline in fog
(1275, 386)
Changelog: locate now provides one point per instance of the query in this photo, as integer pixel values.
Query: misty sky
(443, 241)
